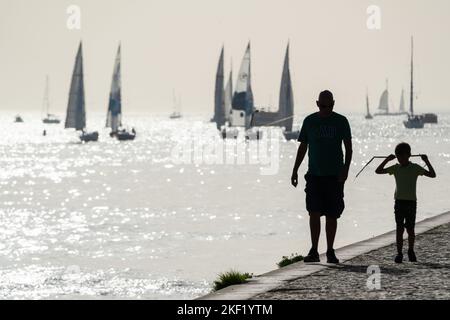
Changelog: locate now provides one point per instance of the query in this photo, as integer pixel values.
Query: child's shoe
(412, 256)
(399, 258)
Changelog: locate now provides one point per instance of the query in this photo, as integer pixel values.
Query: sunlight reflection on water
(136, 225)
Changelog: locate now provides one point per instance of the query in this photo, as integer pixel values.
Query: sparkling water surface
(121, 220)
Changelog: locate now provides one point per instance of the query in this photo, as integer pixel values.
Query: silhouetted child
(405, 173)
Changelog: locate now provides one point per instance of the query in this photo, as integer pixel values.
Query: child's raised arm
(381, 169)
(430, 172)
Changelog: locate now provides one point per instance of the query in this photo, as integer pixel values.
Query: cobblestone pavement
(429, 278)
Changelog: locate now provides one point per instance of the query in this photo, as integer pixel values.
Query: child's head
(403, 153)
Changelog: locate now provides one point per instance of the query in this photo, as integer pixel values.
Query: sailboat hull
(230, 133)
(430, 118)
(238, 118)
(264, 118)
(89, 137)
(410, 125)
(291, 135)
(175, 116)
(390, 114)
(253, 135)
(414, 123)
(51, 121)
(125, 136)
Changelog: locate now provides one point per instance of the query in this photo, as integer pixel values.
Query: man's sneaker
(313, 256)
(331, 257)
(412, 256)
(399, 258)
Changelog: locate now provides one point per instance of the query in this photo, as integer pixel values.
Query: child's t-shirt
(406, 180)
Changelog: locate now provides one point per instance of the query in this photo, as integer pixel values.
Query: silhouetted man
(323, 133)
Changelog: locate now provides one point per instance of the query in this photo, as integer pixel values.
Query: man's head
(403, 153)
(326, 101)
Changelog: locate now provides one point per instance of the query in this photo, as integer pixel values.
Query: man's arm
(348, 159)
(298, 161)
(381, 169)
(430, 172)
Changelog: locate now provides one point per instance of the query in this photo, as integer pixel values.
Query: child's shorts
(405, 213)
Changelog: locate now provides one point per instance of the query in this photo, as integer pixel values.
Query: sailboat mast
(411, 102)
(174, 101)
(387, 97)
(47, 96)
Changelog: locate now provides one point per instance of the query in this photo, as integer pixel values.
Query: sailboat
(114, 115)
(50, 118)
(383, 105)
(284, 117)
(76, 109)
(430, 118)
(176, 114)
(219, 111)
(286, 103)
(228, 131)
(402, 101)
(368, 115)
(18, 119)
(414, 121)
(242, 103)
(223, 98)
(228, 97)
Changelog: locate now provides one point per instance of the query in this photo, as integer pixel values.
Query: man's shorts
(324, 195)
(405, 213)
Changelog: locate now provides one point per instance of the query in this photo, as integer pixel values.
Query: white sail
(286, 103)
(243, 80)
(228, 99)
(384, 101)
(219, 113)
(114, 116)
(242, 105)
(76, 113)
(402, 102)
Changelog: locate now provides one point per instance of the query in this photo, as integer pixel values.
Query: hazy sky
(175, 44)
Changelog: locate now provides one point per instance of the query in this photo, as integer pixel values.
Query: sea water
(126, 220)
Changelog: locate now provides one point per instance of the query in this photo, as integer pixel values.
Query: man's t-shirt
(324, 136)
(406, 180)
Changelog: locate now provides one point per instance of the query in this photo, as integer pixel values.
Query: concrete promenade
(429, 278)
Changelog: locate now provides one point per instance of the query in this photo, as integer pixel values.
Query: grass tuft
(230, 278)
(285, 261)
